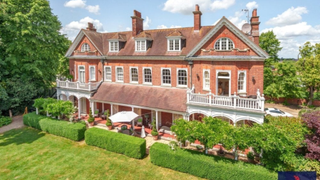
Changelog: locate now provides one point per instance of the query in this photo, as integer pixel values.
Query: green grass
(30, 154)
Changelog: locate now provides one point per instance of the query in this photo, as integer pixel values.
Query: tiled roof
(159, 41)
(153, 97)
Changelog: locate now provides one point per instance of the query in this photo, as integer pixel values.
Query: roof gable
(224, 22)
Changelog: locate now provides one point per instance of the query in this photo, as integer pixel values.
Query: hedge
(32, 120)
(5, 121)
(73, 131)
(206, 166)
(116, 142)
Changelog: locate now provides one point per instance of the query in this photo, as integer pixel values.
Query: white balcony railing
(233, 101)
(77, 85)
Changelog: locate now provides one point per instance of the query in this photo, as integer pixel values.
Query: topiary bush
(206, 166)
(32, 120)
(5, 121)
(73, 131)
(116, 142)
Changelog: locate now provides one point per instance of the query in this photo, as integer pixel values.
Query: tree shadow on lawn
(20, 136)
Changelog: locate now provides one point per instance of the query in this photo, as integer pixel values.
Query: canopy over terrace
(124, 116)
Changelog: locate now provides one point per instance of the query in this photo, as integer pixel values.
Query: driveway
(16, 124)
(292, 109)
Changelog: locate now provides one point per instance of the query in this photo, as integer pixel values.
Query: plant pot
(109, 127)
(155, 137)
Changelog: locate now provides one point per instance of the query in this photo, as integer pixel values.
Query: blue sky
(293, 21)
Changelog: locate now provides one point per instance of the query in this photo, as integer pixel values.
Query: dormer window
(224, 44)
(175, 41)
(141, 45)
(85, 47)
(113, 46)
(174, 44)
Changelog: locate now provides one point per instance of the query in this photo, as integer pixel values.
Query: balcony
(234, 101)
(91, 86)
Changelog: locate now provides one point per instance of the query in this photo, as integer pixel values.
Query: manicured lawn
(30, 154)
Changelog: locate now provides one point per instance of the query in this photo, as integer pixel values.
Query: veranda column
(79, 108)
(92, 107)
(132, 109)
(102, 107)
(111, 109)
(157, 120)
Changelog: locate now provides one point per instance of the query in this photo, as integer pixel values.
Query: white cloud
(221, 4)
(128, 29)
(146, 23)
(290, 16)
(82, 4)
(73, 28)
(165, 27)
(93, 9)
(188, 6)
(252, 5)
(75, 4)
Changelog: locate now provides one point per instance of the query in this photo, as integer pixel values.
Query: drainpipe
(190, 62)
(102, 60)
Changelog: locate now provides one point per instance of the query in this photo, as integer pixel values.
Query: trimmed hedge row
(5, 121)
(206, 166)
(32, 120)
(73, 131)
(116, 142)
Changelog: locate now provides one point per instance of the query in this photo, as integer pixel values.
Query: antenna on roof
(246, 11)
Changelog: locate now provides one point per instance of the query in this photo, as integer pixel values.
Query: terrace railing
(77, 85)
(232, 101)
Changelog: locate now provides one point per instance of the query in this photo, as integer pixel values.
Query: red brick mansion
(165, 74)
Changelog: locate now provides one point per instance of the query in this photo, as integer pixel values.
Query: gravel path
(292, 109)
(16, 124)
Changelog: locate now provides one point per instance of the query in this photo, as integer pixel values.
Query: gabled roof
(225, 22)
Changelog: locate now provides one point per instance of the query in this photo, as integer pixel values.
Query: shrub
(154, 131)
(116, 142)
(250, 155)
(73, 131)
(312, 120)
(5, 121)
(205, 166)
(32, 120)
(91, 118)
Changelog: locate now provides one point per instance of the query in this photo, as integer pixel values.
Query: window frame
(162, 83)
(244, 81)
(85, 49)
(117, 76)
(174, 43)
(112, 42)
(105, 75)
(84, 70)
(136, 45)
(204, 79)
(90, 76)
(131, 81)
(144, 77)
(181, 85)
(227, 44)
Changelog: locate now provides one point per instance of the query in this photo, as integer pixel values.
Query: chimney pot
(197, 7)
(254, 12)
(91, 27)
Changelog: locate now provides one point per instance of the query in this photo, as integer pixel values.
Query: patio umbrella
(124, 116)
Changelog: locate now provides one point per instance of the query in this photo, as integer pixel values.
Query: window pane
(176, 45)
(147, 76)
(206, 80)
(115, 46)
(217, 45)
(134, 74)
(241, 81)
(230, 45)
(85, 47)
(108, 73)
(171, 45)
(119, 74)
(92, 73)
(143, 45)
(166, 77)
(138, 46)
(182, 77)
(223, 43)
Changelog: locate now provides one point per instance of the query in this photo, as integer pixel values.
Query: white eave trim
(227, 58)
(129, 57)
(77, 41)
(225, 22)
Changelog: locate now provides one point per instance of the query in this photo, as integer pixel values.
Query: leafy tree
(268, 41)
(313, 140)
(283, 81)
(309, 68)
(30, 48)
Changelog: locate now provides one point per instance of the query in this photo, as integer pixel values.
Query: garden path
(292, 109)
(16, 124)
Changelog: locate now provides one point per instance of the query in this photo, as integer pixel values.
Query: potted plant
(91, 118)
(139, 122)
(250, 157)
(109, 123)
(154, 131)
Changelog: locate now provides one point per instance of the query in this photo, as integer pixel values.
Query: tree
(313, 140)
(268, 41)
(283, 81)
(309, 68)
(30, 48)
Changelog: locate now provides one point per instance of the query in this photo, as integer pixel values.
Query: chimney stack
(91, 27)
(197, 18)
(254, 21)
(137, 23)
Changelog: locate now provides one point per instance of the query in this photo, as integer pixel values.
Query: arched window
(85, 47)
(224, 44)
